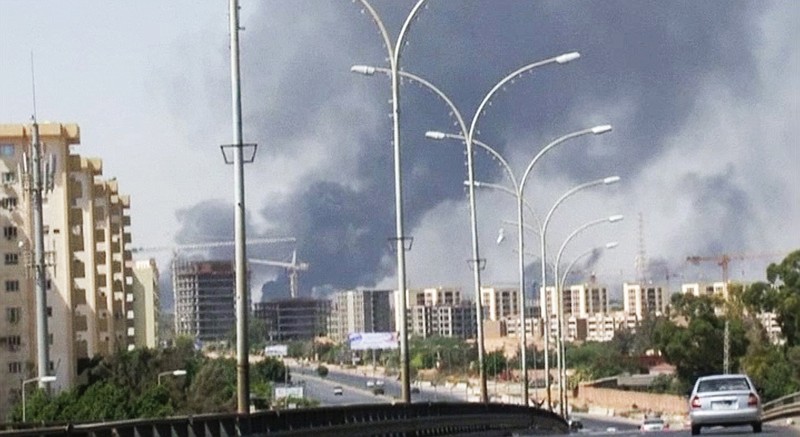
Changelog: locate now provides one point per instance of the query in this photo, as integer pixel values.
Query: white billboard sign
(295, 391)
(373, 340)
(276, 350)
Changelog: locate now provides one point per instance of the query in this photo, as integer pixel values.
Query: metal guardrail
(781, 408)
(428, 419)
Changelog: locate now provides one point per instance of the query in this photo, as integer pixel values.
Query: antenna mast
(641, 257)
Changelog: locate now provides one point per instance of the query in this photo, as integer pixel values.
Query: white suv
(724, 400)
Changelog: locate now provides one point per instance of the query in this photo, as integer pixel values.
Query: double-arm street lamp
(543, 245)
(467, 134)
(394, 51)
(41, 380)
(517, 190)
(559, 292)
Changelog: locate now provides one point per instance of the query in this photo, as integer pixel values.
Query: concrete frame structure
(294, 319)
(204, 299)
(88, 268)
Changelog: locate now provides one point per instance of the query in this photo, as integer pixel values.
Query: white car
(653, 424)
(370, 383)
(724, 400)
(338, 391)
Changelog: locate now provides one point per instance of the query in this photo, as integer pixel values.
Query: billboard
(372, 340)
(276, 350)
(294, 391)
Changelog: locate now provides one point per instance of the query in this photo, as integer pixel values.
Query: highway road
(602, 426)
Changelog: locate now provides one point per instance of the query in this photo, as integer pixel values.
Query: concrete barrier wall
(622, 401)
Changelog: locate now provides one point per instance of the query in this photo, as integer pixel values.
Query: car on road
(653, 424)
(724, 400)
(370, 383)
(338, 391)
(575, 425)
(378, 390)
(414, 390)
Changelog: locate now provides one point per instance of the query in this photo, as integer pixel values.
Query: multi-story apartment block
(641, 300)
(360, 311)
(706, 289)
(146, 303)
(294, 319)
(500, 303)
(204, 299)
(88, 272)
(444, 320)
(580, 300)
(433, 296)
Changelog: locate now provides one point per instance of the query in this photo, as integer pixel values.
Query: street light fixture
(394, 71)
(468, 134)
(179, 372)
(559, 290)
(543, 245)
(42, 380)
(518, 192)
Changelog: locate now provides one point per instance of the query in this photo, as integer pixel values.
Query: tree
(213, 390)
(494, 363)
(784, 296)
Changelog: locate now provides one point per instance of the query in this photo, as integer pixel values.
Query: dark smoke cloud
(298, 93)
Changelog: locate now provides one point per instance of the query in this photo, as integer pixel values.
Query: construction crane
(212, 244)
(293, 268)
(724, 261)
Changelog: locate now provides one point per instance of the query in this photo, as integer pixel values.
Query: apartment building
(361, 310)
(579, 300)
(294, 319)
(444, 320)
(706, 289)
(642, 300)
(500, 303)
(433, 296)
(146, 303)
(88, 271)
(204, 299)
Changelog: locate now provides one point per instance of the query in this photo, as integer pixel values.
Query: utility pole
(37, 183)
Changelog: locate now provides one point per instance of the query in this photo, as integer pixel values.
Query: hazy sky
(703, 97)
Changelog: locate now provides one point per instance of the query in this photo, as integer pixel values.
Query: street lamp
(394, 62)
(42, 380)
(518, 192)
(543, 245)
(559, 292)
(468, 134)
(179, 372)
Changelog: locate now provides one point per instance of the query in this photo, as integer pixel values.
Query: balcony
(78, 296)
(80, 323)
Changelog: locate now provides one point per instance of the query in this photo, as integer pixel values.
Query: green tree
(783, 296)
(213, 389)
(494, 363)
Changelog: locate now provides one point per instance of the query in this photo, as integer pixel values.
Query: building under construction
(294, 319)
(204, 299)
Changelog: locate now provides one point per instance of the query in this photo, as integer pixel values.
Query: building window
(8, 203)
(12, 259)
(15, 367)
(12, 285)
(9, 177)
(10, 232)
(49, 311)
(6, 150)
(13, 314)
(14, 341)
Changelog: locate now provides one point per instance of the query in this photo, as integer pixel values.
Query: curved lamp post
(559, 292)
(518, 192)
(543, 244)
(609, 245)
(468, 134)
(394, 62)
(179, 372)
(42, 380)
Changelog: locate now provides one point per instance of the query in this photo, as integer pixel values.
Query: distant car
(370, 383)
(414, 390)
(377, 391)
(338, 391)
(379, 383)
(653, 424)
(575, 425)
(724, 400)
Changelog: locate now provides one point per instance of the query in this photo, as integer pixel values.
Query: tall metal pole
(242, 301)
(42, 343)
(523, 339)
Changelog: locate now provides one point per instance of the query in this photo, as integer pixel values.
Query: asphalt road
(595, 426)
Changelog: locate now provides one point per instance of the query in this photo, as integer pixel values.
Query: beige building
(500, 303)
(641, 300)
(705, 289)
(360, 311)
(580, 300)
(146, 303)
(88, 267)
